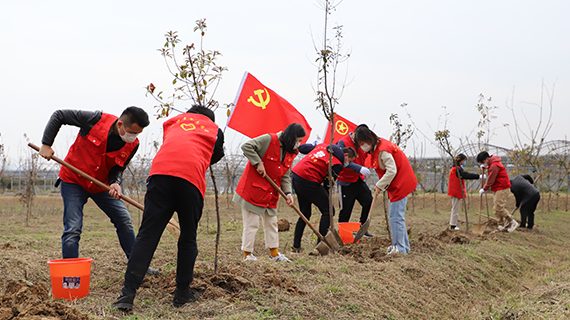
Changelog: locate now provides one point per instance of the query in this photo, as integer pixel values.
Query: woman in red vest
(310, 181)
(177, 182)
(269, 154)
(456, 191)
(396, 177)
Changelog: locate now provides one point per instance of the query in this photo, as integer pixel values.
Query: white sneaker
(455, 228)
(280, 257)
(512, 225)
(250, 257)
(393, 249)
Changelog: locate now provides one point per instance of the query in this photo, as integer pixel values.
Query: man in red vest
(177, 182)
(103, 148)
(500, 184)
(396, 177)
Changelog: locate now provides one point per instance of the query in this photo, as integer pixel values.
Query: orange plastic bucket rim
(347, 231)
(70, 278)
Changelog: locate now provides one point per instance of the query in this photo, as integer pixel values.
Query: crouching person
(191, 143)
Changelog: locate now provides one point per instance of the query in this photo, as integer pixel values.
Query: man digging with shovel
(308, 177)
(103, 148)
(500, 184)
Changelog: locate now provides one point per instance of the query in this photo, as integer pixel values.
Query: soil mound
(24, 300)
(283, 225)
(8, 246)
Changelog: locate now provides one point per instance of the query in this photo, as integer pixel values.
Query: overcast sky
(99, 55)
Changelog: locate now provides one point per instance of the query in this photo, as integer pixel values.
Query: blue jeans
(396, 211)
(74, 198)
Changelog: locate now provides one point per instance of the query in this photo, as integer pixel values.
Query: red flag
(342, 127)
(259, 110)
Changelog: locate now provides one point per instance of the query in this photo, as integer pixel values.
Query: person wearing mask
(526, 197)
(177, 183)
(456, 190)
(396, 176)
(500, 184)
(103, 148)
(352, 182)
(269, 154)
(311, 183)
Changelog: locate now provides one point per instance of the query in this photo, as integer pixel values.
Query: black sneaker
(125, 300)
(181, 297)
(368, 235)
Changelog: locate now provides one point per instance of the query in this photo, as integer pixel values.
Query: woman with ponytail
(456, 189)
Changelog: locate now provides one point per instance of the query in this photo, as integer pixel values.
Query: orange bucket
(347, 231)
(70, 278)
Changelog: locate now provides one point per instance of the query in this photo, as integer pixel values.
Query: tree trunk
(217, 219)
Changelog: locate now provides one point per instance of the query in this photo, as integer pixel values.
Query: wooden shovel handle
(296, 209)
(88, 177)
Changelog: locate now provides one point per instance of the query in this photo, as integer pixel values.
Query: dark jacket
(523, 189)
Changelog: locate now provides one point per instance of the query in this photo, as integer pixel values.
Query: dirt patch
(283, 225)
(8, 246)
(454, 236)
(23, 300)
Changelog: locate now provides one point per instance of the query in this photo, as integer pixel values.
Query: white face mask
(297, 144)
(366, 147)
(128, 137)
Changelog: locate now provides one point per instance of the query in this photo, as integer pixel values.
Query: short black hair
(351, 152)
(290, 135)
(135, 115)
(482, 156)
(203, 111)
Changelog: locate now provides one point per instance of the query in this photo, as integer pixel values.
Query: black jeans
(357, 191)
(164, 196)
(309, 192)
(527, 211)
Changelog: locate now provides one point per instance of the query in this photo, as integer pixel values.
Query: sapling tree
(330, 55)
(196, 76)
(3, 158)
(30, 167)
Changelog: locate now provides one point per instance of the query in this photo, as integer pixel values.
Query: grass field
(447, 275)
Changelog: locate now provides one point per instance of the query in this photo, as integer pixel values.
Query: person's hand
(290, 200)
(260, 169)
(484, 166)
(115, 191)
(377, 190)
(481, 192)
(46, 151)
(482, 176)
(365, 171)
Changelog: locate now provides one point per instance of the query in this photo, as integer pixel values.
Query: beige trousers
(251, 225)
(455, 208)
(499, 203)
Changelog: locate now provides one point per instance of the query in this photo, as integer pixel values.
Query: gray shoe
(125, 300)
(152, 271)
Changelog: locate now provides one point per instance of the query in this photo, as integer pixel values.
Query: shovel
(480, 228)
(324, 246)
(173, 226)
(364, 227)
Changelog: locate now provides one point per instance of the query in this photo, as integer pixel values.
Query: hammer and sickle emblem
(262, 103)
(188, 126)
(341, 127)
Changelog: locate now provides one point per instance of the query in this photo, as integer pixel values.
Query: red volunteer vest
(315, 166)
(89, 155)
(253, 188)
(454, 189)
(502, 181)
(405, 181)
(187, 148)
(348, 175)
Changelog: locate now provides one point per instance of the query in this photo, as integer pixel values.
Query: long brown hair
(363, 134)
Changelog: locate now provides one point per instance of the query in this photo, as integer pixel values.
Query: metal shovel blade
(363, 229)
(479, 229)
(332, 241)
(323, 248)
